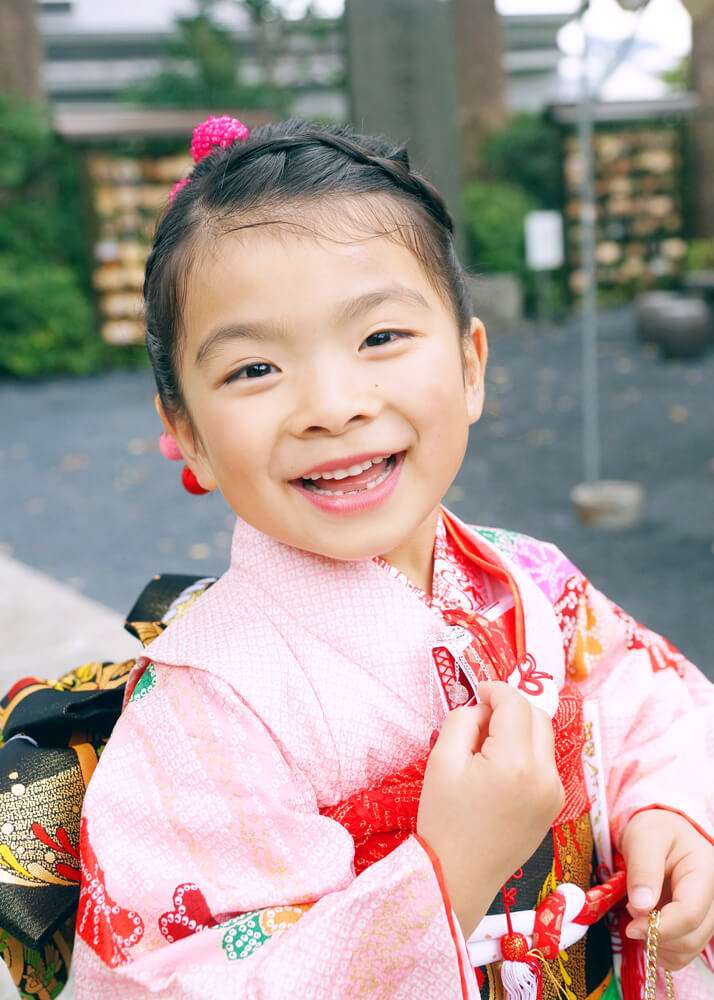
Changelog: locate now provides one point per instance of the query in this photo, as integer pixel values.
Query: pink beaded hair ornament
(221, 132)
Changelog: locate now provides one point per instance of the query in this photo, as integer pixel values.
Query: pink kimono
(215, 857)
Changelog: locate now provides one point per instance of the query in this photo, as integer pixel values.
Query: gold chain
(651, 961)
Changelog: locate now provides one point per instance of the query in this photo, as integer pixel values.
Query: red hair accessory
(222, 132)
(190, 483)
(168, 446)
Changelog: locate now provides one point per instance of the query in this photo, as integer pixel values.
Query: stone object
(680, 326)
(609, 504)
(497, 298)
(647, 308)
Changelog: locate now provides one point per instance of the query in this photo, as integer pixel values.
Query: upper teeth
(353, 470)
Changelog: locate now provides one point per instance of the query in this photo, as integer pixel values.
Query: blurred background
(575, 144)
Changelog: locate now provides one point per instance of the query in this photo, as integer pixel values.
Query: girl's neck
(415, 556)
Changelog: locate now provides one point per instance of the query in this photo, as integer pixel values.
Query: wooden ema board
(638, 178)
(128, 195)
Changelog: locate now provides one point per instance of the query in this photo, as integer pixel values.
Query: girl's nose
(331, 402)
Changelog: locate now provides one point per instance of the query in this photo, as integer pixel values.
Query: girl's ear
(180, 429)
(475, 358)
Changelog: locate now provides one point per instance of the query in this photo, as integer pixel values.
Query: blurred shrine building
(388, 66)
(94, 52)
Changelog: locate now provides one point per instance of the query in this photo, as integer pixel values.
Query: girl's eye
(256, 370)
(385, 337)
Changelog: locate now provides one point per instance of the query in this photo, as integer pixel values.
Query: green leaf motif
(503, 540)
(145, 684)
(243, 936)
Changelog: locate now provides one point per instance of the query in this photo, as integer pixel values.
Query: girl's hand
(670, 866)
(491, 791)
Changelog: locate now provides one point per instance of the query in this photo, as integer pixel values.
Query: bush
(494, 215)
(700, 255)
(201, 68)
(41, 200)
(46, 323)
(46, 314)
(527, 153)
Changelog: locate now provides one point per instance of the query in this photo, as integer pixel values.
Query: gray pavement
(87, 499)
(36, 618)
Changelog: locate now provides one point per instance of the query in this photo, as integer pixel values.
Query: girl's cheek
(440, 393)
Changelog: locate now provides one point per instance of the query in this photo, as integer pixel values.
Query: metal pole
(588, 219)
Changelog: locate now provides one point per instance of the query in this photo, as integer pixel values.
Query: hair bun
(223, 132)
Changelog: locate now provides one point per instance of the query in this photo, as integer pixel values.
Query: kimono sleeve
(656, 709)
(207, 869)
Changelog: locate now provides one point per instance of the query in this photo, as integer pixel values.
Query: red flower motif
(189, 915)
(61, 844)
(663, 655)
(107, 928)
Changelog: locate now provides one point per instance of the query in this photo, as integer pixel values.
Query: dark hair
(292, 165)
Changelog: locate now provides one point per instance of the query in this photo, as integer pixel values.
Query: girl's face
(305, 359)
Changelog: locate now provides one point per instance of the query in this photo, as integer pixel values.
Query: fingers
(691, 902)
(527, 729)
(543, 731)
(512, 714)
(687, 922)
(675, 953)
(645, 858)
(463, 732)
(520, 746)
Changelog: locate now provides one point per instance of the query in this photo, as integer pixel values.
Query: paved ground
(36, 613)
(86, 498)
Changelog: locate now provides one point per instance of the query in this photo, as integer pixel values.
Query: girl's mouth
(344, 493)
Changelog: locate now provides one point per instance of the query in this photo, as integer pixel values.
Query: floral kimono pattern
(250, 827)
(297, 683)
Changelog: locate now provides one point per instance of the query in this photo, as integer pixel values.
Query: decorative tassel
(520, 973)
(632, 972)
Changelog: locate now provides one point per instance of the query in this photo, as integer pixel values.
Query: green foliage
(700, 255)
(260, 10)
(527, 153)
(680, 77)
(494, 215)
(26, 142)
(202, 70)
(40, 191)
(46, 322)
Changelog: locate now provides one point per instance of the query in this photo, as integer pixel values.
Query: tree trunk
(702, 13)
(480, 77)
(20, 49)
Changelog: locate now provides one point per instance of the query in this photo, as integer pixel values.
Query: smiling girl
(354, 768)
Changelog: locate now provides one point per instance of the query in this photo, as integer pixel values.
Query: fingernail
(642, 898)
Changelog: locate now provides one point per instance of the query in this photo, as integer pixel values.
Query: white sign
(544, 241)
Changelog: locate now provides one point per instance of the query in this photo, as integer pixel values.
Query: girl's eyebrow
(262, 332)
(259, 332)
(370, 300)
